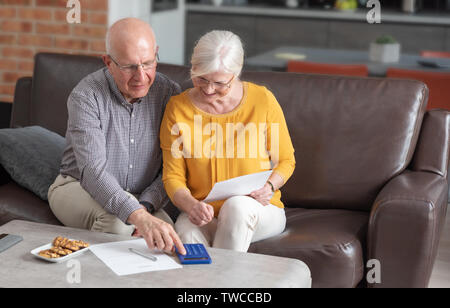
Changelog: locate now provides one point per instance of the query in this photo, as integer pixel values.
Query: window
(164, 5)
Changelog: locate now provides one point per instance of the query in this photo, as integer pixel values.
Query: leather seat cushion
(17, 202)
(329, 241)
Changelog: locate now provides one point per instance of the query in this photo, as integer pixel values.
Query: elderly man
(110, 177)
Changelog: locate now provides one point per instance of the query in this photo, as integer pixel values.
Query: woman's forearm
(276, 180)
(184, 200)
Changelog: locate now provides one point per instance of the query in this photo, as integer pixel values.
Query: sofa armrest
(20, 115)
(432, 150)
(405, 226)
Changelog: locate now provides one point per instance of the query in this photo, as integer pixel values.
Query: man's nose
(139, 74)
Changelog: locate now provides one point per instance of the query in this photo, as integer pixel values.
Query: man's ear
(107, 60)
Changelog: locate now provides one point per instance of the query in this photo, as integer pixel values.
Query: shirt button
(132, 115)
(131, 166)
(132, 140)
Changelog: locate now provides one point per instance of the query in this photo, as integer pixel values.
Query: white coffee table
(19, 268)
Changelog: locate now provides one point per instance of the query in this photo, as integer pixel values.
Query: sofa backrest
(54, 77)
(351, 135)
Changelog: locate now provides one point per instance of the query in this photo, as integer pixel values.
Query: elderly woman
(220, 129)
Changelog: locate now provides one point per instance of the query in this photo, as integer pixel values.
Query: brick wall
(31, 26)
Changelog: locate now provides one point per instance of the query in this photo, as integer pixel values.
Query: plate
(36, 251)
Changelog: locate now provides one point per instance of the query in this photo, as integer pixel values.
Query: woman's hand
(263, 195)
(201, 213)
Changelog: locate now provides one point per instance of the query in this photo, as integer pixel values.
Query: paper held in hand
(239, 186)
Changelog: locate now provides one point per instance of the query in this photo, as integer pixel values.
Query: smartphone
(9, 240)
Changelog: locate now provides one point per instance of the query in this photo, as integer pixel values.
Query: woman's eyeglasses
(216, 85)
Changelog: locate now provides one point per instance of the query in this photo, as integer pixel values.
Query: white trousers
(242, 220)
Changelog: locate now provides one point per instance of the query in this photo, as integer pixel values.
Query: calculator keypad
(195, 254)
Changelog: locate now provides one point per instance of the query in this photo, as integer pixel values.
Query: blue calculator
(195, 254)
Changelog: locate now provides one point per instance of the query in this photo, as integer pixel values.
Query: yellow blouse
(200, 149)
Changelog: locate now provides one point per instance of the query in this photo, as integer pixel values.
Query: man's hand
(156, 232)
(201, 213)
(263, 195)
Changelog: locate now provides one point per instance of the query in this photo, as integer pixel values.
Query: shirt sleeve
(89, 146)
(155, 194)
(174, 165)
(278, 140)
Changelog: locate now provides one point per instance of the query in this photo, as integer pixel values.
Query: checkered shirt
(113, 146)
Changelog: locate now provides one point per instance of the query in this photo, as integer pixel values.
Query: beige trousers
(74, 207)
(242, 220)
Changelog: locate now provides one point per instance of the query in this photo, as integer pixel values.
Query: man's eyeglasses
(132, 68)
(216, 85)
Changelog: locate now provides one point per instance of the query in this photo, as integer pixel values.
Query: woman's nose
(210, 85)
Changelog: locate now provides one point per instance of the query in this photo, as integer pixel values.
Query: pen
(148, 256)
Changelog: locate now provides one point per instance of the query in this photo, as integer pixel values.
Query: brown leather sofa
(370, 181)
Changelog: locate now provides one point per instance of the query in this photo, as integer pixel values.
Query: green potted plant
(384, 49)
(346, 5)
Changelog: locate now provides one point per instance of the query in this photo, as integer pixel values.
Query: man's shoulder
(94, 82)
(164, 81)
(163, 88)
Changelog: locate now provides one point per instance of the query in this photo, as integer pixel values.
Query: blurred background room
(412, 37)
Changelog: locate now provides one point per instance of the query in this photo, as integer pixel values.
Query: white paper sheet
(123, 262)
(239, 186)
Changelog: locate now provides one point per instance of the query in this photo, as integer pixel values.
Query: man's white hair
(217, 51)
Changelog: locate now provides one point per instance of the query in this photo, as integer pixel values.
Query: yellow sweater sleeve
(174, 166)
(278, 140)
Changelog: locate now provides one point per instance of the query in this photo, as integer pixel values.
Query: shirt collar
(116, 91)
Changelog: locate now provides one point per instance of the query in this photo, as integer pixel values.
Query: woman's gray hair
(217, 51)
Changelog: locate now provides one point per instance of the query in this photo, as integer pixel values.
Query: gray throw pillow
(32, 157)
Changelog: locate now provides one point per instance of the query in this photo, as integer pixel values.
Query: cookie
(81, 244)
(61, 251)
(48, 254)
(59, 241)
(44, 253)
(65, 243)
(70, 245)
